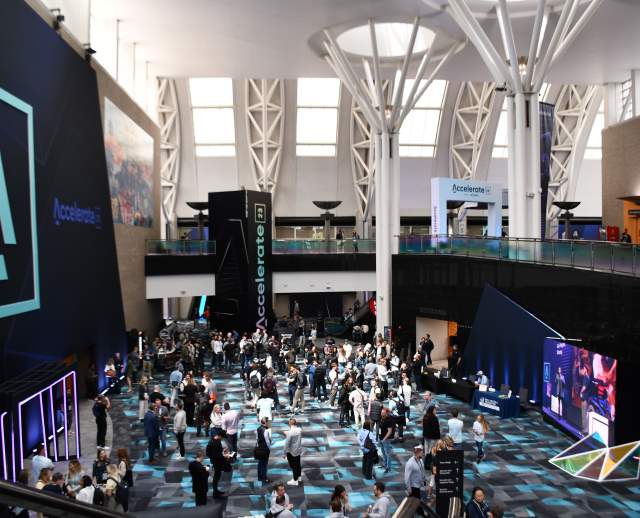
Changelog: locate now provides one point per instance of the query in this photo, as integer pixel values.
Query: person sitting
(481, 378)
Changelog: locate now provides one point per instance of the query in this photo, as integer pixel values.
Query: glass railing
(180, 247)
(320, 246)
(593, 255)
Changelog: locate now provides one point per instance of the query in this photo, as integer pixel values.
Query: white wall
(316, 282)
(168, 286)
(439, 331)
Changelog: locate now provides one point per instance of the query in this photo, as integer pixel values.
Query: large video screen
(579, 392)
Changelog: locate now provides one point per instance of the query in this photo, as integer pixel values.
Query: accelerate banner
(546, 138)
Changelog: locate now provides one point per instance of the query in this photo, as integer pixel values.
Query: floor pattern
(516, 471)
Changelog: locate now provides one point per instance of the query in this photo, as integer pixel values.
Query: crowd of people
(372, 390)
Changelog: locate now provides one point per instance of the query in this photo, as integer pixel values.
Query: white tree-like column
(385, 120)
(524, 74)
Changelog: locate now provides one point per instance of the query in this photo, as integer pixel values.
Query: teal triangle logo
(6, 221)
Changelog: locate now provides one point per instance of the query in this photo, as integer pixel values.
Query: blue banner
(546, 137)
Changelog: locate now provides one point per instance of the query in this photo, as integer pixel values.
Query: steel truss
(169, 121)
(264, 112)
(524, 75)
(576, 107)
(471, 115)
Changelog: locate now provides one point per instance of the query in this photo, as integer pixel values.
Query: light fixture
(57, 19)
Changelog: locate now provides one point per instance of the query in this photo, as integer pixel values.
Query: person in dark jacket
(220, 460)
(477, 507)
(430, 433)
(199, 478)
(263, 441)
(151, 432)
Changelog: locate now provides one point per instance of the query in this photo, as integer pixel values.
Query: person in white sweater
(384, 503)
(293, 450)
(179, 428)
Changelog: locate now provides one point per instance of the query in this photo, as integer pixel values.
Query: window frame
(309, 107)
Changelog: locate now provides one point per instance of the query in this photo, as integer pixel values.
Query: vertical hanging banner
(259, 245)
(546, 138)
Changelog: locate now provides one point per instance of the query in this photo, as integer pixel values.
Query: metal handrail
(50, 504)
(581, 254)
(180, 247)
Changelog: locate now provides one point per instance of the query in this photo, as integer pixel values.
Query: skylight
(213, 117)
(392, 38)
(317, 116)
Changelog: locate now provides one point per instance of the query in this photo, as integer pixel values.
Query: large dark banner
(240, 223)
(546, 138)
(506, 343)
(59, 284)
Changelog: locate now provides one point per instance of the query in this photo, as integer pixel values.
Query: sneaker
(179, 457)
(292, 482)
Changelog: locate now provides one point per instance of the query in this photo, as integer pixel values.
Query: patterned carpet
(515, 472)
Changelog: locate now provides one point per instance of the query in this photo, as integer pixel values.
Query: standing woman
(143, 397)
(179, 428)
(480, 428)
(216, 421)
(340, 494)
(124, 468)
(189, 390)
(430, 433)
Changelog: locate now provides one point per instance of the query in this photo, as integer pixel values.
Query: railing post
(633, 261)
(517, 250)
(611, 262)
(593, 256)
(573, 252)
(553, 253)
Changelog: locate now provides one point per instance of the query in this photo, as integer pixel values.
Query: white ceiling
(269, 38)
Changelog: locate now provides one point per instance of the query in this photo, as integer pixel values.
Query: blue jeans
(227, 363)
(163, 440)
(386, 453)
(292, 392)
(262, 468)
(479, 445)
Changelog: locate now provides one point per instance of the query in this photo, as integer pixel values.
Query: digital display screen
(579, 389)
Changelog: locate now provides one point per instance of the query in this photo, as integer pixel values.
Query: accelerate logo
(74, 214)
(260, 220)
(471, 189)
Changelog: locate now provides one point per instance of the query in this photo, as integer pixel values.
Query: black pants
(101, 434)
(232, 441)
(294, 464)
(429, 362)
(217, 473)
(367, 465)
(180, 437)
(201, 498)
(320, 386)
(189, 408)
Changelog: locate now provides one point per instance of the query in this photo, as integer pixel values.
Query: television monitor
(579, 389)
(472, 378)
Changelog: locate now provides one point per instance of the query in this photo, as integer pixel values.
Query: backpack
(96, 410)
(320, 372)
(302, 380)
(209, 450)
(269, 514)
(254, 382)
(269, 385)
(122, 492)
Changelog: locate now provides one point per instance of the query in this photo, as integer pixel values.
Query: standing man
(428, 348)
(414, 475)
(163, 422)
(175, 378)
(455, 429)
(151, 432)
(387, 431)
(384, 503)
(179, 428)
(230, 426)
(263, 439)
(100, 408)
(220, 460)
(333, 380)
(559, 389)
(199, 478)
(298, 397)
(293, 451)
(357, 398)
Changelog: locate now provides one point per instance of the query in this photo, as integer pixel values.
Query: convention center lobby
(319, 258)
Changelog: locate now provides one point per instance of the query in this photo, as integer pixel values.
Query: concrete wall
(620, 169)
(139, 312)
